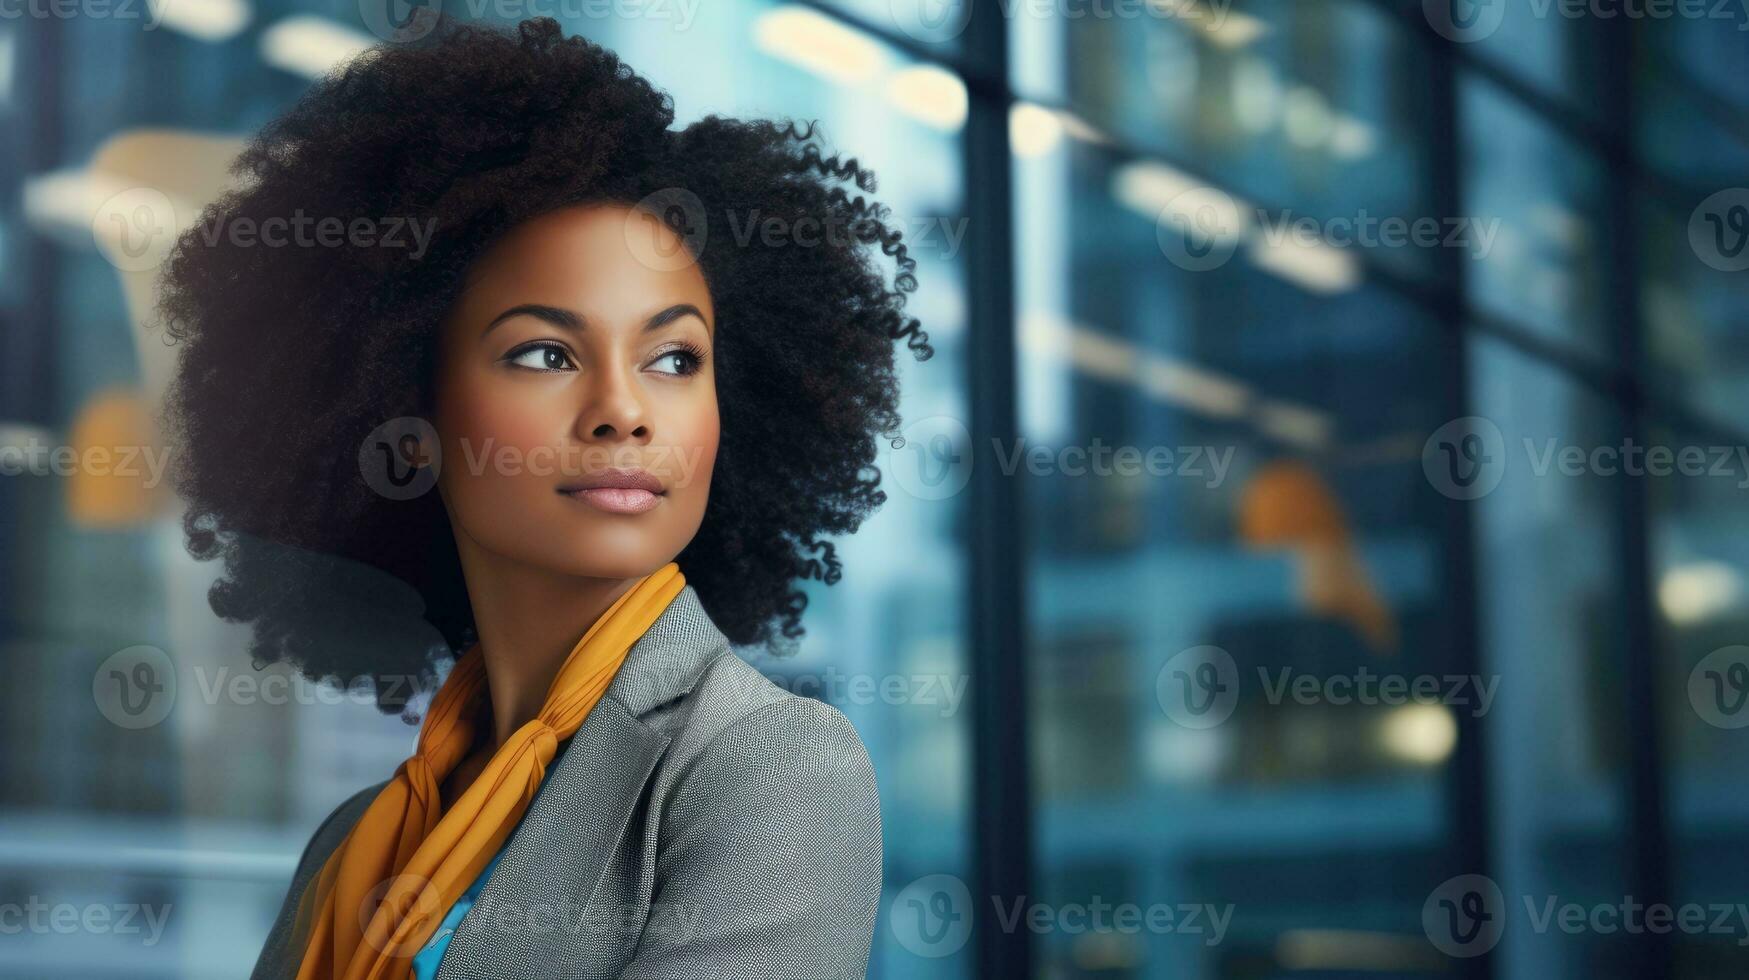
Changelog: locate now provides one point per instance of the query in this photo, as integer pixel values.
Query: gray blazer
(703, 824)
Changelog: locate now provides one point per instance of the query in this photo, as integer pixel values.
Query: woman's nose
(614, 407)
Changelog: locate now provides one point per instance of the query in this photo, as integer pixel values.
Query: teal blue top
(427, 960)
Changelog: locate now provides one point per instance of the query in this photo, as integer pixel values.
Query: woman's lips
(617, 500)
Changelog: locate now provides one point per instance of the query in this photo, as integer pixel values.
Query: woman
(546, 381)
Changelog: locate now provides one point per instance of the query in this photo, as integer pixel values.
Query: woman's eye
(677, 362)
(542, 357)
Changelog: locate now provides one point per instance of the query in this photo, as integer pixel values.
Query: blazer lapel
(554, 861)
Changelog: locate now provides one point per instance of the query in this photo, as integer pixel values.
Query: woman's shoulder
(764, 829)
(737, 732)
(735, 706)
(736, 739)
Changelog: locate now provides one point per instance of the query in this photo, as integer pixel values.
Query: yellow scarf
(388, 885)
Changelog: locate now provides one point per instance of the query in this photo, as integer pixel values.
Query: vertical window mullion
(1002, 804)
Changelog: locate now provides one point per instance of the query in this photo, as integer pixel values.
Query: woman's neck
(528, 621)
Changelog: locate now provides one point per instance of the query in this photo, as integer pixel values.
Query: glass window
(1547, 527)
(938, 25)
(1700, 551)
(1688, 135)
(1557, 49)
(1317, 107)
(1692, 296)
(1230, 533)
(1707, 52)
(1535, 195)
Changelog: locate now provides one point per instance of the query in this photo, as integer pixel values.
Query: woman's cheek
(700, 445)
(496, 434)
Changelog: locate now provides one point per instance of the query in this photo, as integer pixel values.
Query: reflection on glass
(1538, 194)
(1550, 583)
(1230, 534)
(937, 24)
(1692, 295)
(1708, 53)
(1557, 49)
(1309, 106)
(1700, 551)
(1688, 134)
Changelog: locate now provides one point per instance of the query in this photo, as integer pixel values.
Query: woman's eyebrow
(568, 320)
(673, 313)
(552, 314)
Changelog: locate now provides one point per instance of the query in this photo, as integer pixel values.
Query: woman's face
(565, 359)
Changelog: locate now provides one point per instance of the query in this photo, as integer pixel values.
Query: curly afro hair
(293, 356)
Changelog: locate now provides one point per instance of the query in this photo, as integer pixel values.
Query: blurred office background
(1089, 189)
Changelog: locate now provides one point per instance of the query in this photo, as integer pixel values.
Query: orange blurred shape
(117, 466)
(1288, 505)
